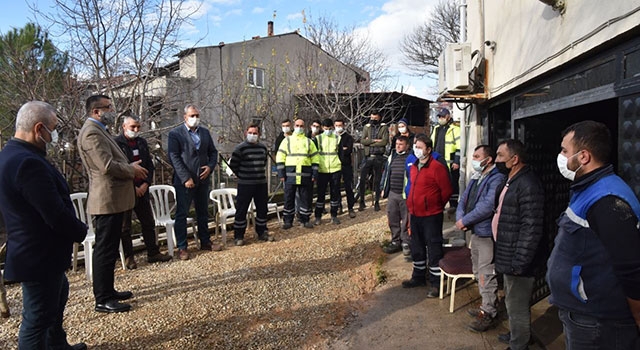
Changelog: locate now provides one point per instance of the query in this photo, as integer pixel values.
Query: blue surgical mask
(477, 165)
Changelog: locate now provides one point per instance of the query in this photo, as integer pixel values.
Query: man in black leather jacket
(518, 232)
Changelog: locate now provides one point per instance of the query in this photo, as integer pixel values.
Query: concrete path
(398, 318)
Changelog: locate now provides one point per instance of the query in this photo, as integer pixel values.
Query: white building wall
(531, 38)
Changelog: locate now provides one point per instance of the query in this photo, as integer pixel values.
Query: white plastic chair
(163, 201)
(79, 201)
(271, 208)
(226, 208)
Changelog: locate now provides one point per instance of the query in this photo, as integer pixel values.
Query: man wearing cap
(446, 141)
(403, 130)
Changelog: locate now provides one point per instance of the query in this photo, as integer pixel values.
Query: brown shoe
(210, 247)
(158, 258)
(183, 254)
(130, 263)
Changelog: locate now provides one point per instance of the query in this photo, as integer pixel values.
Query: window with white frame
(255, 77)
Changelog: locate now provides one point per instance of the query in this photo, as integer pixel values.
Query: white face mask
(54, 136)
(286, 129)
(298, 130)
(442, 121)
(402, 130)
(314, 129)
(130, 134)
(418, 152)
(193, 122)
(327, 132)
(476, 164)
(562, 166)
(339, 130)
(252, 138)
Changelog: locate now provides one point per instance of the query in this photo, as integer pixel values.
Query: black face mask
(375, 121)
(502, 167)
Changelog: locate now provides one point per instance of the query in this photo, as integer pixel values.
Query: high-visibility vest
(451, 142)
(328, 151)
(297, 159)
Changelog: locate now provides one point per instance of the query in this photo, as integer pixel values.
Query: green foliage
(32, 68)
(381, 274)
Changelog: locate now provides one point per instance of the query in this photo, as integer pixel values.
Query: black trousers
(305, 192)
(145, 216)
(245, 194)
(108, 229)
(455, 179)
(371, 165)
(332, 180)
(426, 247)
(347, 178)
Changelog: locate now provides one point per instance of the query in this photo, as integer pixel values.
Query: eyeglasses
(193, 115)
(104, 107)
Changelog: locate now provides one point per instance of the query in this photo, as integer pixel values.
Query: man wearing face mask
(474, 213)
(316, 129)
(41, 228)
(429, 192)
(403, 130)
(393, 184)
(111, 194)
(193, 157)
(517, 228)
(594, 268)
(328, 171)
(446, 141)
(345, 149)
(297, 162)
(249, 162)
(286, 131)
(136, 149)
(375, 137)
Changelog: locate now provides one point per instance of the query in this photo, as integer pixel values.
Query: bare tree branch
(423, 46)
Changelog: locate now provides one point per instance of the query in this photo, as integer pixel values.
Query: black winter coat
(518, 249)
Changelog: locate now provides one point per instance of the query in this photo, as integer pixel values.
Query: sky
(215, 21)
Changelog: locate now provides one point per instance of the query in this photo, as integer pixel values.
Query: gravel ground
(297, 292)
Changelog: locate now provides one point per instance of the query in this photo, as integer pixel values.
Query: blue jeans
(199, 195)
(43, 305)
(517, 294)
(583, 332)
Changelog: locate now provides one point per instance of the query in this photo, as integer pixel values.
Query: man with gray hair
(41, 225)
(193, 157)
(137, 149)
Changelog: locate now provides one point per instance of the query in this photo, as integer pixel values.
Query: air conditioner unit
(454, 67)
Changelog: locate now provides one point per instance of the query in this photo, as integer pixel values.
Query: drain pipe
(463, 21)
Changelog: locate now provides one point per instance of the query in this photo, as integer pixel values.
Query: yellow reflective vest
(451, 142)
(328, 150)
(297, 160)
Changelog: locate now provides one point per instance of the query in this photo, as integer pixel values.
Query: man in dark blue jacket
(594, 268)
(193, 157)
(517, 228)
(474, 213)
(41, 226)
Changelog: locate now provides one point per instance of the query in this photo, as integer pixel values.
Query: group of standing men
(40, 217)
(324, 160)
(593, 271)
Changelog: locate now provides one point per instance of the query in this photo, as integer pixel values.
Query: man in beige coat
(111, 193)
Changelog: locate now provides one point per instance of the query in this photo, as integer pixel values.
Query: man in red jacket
(429, 193)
